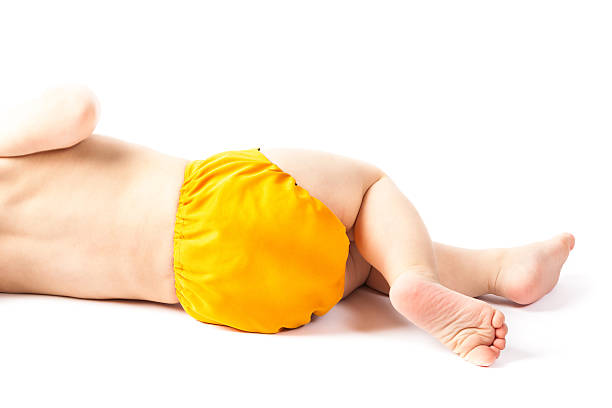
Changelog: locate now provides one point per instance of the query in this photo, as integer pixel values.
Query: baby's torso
(95, 220)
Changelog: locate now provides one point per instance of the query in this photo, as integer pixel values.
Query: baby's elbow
(79, 110)
(82, 112)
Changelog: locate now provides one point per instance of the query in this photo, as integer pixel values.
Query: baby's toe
(501, 332)
(483, 355)
(499, 343)
(498, 319)
(568, 239)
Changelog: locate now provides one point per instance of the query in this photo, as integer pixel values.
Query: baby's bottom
(431, 284)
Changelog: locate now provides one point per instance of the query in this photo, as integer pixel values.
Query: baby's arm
(59, 118)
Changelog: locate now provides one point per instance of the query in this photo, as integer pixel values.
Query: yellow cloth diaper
(252, 249)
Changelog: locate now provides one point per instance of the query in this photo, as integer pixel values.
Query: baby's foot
(469, 327)
(531, 271)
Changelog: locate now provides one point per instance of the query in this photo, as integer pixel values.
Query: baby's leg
(523, 274)
(391, 237)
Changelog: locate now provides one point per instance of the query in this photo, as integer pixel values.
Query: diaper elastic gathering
(252, 249)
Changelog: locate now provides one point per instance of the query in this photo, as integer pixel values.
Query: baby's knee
(371, 173)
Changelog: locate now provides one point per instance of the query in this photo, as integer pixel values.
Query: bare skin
(93, 217)
(94, 220)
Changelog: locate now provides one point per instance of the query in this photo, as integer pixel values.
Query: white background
(493, 118)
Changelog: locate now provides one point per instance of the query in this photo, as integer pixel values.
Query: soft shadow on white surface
(570, 290)
(363, 311)
(129, 303)
(512, 355)
(148, 305)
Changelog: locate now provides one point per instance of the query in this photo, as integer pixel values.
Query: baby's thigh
(357, 270)
(337, 181)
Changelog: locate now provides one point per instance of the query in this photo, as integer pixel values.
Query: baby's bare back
(95, 221)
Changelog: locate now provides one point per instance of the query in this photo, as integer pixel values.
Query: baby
(256, 239)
